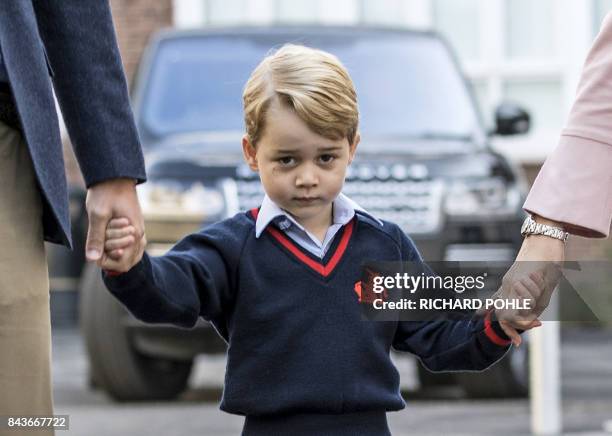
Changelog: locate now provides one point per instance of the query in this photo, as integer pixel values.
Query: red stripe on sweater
(324, 270)
(296, 251)
(340, 250)
(491, 334)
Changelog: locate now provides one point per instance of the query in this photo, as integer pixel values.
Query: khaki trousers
(25, 327)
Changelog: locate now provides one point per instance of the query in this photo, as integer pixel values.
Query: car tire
(508, 378)
(116, 366)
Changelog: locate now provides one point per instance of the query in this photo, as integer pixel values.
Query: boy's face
(301, 171)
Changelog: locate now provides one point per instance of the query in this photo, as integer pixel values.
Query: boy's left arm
(458, 342)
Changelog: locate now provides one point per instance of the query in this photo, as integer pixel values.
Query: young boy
(278, 282)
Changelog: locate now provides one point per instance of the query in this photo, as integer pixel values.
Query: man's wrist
(126, 181)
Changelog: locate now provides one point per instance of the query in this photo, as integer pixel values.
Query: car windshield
(407, 84)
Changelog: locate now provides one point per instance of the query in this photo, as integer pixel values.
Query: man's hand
(106, 200)
(121, 250)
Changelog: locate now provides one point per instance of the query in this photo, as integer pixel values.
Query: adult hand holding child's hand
(533, 277)
(122, 249)
(107, 200)
(528, 289)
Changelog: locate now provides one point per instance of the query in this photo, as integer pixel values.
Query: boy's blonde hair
(311, 82)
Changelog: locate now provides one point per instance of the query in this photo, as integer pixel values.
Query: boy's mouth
(305, 200)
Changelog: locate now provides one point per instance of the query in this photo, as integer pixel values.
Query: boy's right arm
(190, 281)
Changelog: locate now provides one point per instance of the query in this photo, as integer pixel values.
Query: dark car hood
(213, 159)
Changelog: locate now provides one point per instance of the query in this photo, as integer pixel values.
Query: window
(480, 88)
(542, 99)
(316, 11)
(406, 84)
(296, 10)
(600, 9)
(459, 21)
(530, 28)
(382, 12)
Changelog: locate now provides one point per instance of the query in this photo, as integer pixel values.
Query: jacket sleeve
(574, 186)
(457, 342)
(195, 278)
(90, 85)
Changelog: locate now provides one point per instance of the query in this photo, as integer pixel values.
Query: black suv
(423, 163)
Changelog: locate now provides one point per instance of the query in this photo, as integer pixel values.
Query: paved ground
(586, 388)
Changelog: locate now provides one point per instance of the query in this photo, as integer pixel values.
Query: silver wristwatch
(530, 227)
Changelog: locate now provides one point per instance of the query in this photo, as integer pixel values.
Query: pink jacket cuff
(574, 187)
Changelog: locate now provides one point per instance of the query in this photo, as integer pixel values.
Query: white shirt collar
(343, 211)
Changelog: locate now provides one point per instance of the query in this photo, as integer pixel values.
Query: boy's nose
(307, 178)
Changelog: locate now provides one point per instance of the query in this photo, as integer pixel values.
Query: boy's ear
(353, 147)
(249, 152)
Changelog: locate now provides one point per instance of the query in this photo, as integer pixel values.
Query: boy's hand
(513, 334)
(121, 250)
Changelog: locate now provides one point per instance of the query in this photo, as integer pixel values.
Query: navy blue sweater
(297, 341)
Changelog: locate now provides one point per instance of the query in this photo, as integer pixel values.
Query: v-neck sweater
(343, 210)
(297, 340)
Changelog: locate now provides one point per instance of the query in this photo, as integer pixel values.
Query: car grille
(415, 205)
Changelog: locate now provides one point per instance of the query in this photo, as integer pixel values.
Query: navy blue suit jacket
(76, 40)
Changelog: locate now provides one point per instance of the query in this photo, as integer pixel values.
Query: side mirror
(511, 119)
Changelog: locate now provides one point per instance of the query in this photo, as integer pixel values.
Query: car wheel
(116, 366)
(508, 378)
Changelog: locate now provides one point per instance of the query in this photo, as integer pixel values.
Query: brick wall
(135, 22)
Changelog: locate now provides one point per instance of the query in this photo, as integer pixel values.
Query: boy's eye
(327, 158)
(285, 160)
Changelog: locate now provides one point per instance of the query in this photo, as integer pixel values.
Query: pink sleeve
(575, 184)
(575, 187)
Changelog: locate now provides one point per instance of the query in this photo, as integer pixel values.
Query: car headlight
(481, 197)
(173, 201)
